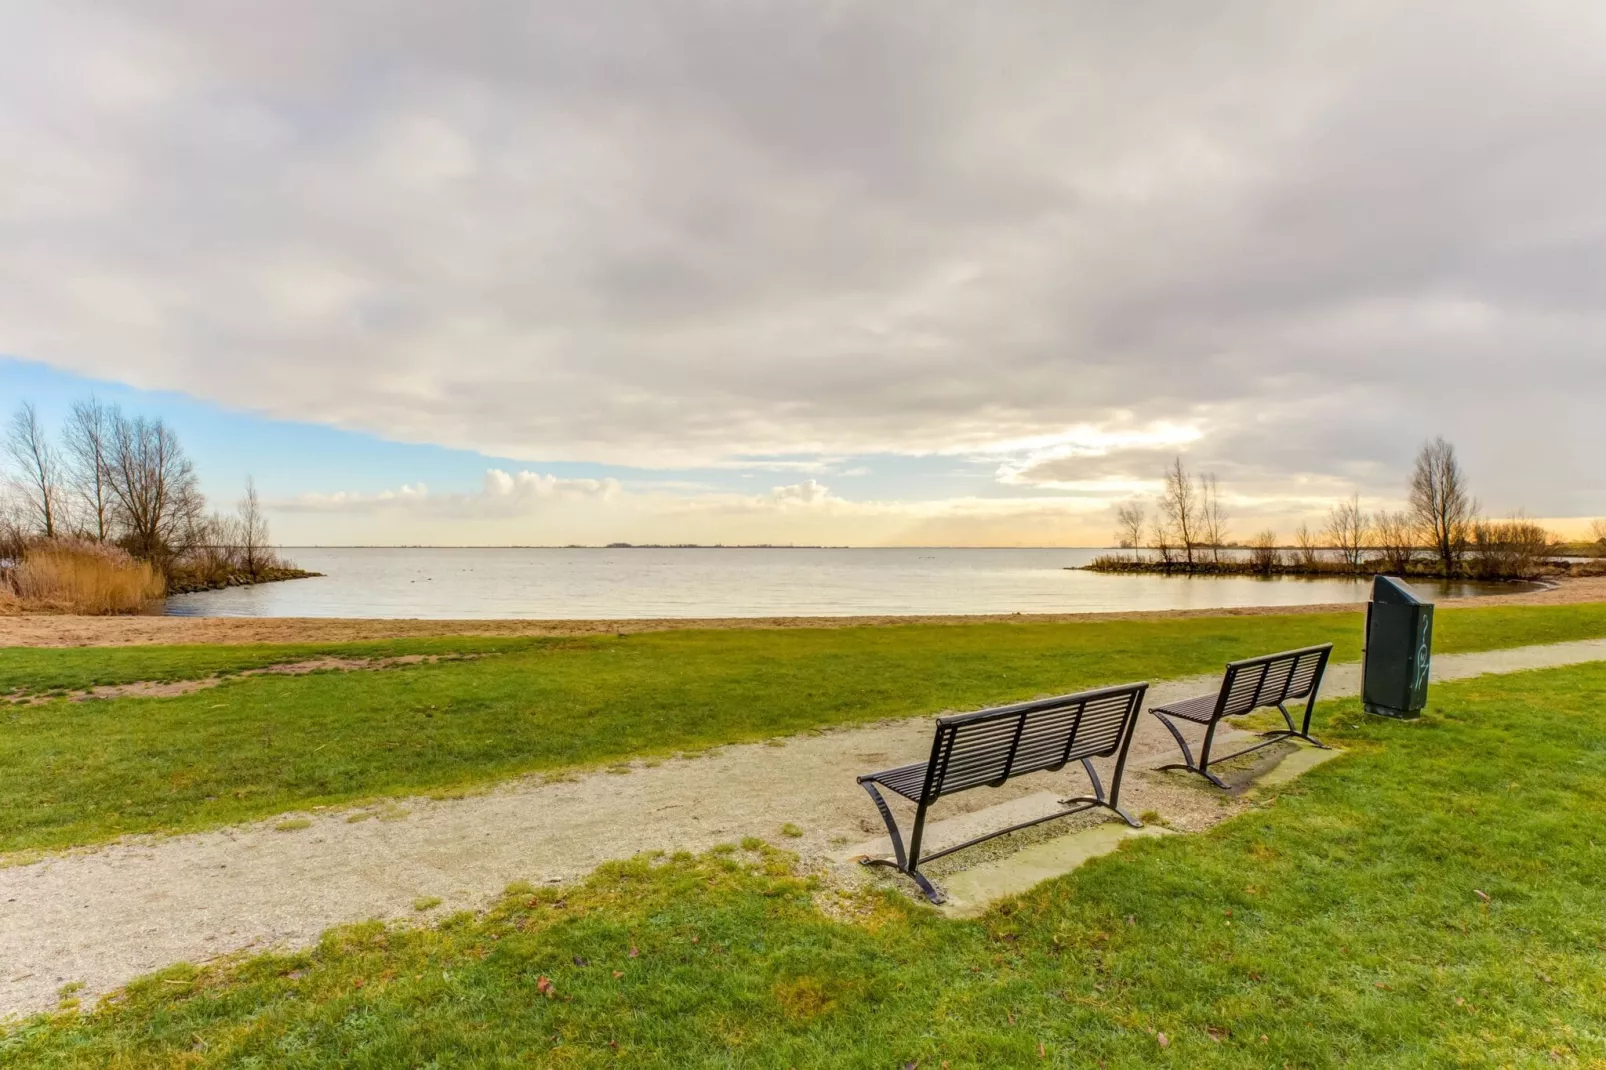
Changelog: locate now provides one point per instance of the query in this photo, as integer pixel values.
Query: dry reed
(69, 576)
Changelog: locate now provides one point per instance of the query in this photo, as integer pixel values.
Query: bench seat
(906, 780)
(1197, 709)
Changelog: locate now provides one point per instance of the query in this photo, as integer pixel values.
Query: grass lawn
(1434, 898)
(79, 773)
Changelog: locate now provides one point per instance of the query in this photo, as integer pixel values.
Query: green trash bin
(1399, 647)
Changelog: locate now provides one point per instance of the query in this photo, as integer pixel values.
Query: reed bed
(83, 577)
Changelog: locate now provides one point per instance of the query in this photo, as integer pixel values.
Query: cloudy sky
(838, 272)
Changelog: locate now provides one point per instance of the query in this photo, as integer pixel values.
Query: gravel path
(105, 916)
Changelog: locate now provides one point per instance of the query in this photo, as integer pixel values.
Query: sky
(832, 272)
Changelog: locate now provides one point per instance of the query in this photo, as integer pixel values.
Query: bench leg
(1296, 733)
(1098, 798)
(901, 861)
(1202, 766)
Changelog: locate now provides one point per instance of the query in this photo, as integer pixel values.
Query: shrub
(77, 576)
(1263, 553)
(1508, 549)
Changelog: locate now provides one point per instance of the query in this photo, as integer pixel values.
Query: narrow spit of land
(102, 918)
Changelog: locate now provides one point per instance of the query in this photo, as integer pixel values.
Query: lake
(610, 584)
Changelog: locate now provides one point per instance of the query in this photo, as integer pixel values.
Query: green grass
(80, 773)
(1338, 924)
(41, 670)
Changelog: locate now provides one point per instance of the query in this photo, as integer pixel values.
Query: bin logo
(1423, 652)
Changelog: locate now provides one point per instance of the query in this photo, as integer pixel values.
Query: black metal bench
(1272, 680)
(989, 747)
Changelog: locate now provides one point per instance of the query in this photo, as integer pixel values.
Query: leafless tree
(1263, 552)
(1509, 549)
(1309, 550)
(1162, 544)
(1441, 504)
(1598, 530)
(1348, 530)
(1179, 505)
(1129, 523)
(256, 554)
(1396, 540)
(86, 438)
(155, 494)
(1212, 515)
(38, 479)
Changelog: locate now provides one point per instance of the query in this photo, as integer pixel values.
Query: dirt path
(58, 630)
(106, 916)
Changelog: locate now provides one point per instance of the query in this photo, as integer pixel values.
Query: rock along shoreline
(242, 579)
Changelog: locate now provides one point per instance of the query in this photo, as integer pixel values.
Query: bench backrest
(1271, 679)
(990, 746)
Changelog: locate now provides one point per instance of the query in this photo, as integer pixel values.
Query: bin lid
(1394, 591)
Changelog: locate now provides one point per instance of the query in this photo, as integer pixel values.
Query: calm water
(612, 584)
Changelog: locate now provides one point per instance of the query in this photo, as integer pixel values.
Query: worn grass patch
(1434, 899)
(80, 773)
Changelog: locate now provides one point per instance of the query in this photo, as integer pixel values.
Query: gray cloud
(686, 232)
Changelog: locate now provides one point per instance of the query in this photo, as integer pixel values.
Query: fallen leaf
(618, 974)
(634, 953)
(578, 961)
(1264, 1039)
(1380, 984)
(1042, 1052)
(1164, 1041)
(1481, 895)
(543, 985)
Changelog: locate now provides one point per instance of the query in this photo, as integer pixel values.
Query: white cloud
(502, 494)
(808, 492)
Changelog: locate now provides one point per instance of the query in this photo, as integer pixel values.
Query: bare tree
(1179, 505)
(1441, 504)
(1129, 521)
(1396, 540)
(1263, 553)
(1348, 530)
(256, 554)
(86, 437)
(1509, 549)
(1598, 530)
(1309, 551)
(154, 491)
(39, 480)
(1162, 544)
(1212, 515)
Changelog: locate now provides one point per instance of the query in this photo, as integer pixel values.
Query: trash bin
(1399, 642)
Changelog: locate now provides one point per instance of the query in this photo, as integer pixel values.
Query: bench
(989, 747)
(1272, 680)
